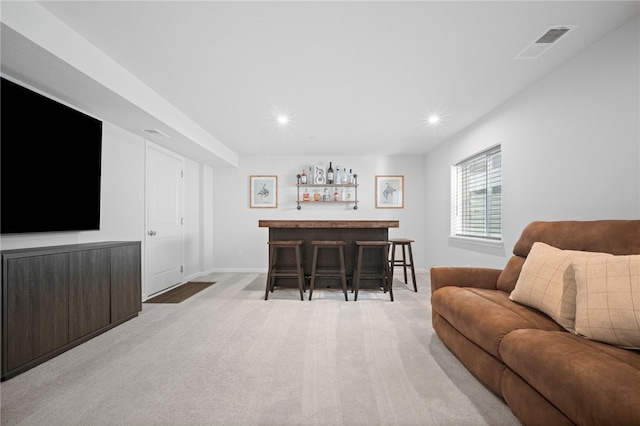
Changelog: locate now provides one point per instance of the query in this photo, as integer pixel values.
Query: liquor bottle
(336, 195)
(343, 194)
(330, 174)
(326, 197)
(337, 177)
(351, 176)
(305, 196)
(303, 178)
(316, 196)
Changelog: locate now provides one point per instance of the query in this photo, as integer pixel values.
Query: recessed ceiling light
(283, 119)
(433, 119)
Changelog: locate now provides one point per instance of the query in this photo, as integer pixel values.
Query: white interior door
(164, 218)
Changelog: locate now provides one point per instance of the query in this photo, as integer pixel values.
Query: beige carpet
(226, 357)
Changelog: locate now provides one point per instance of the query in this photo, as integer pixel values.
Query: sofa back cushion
(547, 282)
(620, 237)
(608, 299)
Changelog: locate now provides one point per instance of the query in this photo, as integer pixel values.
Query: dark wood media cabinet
(55, 298)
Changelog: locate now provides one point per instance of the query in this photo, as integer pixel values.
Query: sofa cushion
(509, 276)
(547, 283)
(608, 299)
(620, 237)
(590, 382)
(486, 316)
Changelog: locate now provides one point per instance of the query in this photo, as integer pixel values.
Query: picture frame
(389, 191)
(263, 192)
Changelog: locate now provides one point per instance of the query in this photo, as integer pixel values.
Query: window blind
(477, 196)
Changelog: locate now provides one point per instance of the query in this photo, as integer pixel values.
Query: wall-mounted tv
(50, 164)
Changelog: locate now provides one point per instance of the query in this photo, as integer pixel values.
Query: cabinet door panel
(19, 314)
(38, 307)
(126, 297)
(89, 292)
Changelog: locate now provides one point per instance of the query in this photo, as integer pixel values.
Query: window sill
(477, 241)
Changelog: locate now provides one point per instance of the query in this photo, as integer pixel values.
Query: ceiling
(353, 77)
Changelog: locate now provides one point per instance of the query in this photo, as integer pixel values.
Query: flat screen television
(50, 164)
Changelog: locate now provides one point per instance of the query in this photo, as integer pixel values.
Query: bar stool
(403, 242)
(275, 271)
(328, 272)
(383, 274)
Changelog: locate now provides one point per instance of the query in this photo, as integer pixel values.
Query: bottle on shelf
(350, 178)
(305, 196)
(326, 197)
(343, 194)
(330, 174)
(336, 195)
(316, 196)
(336, 177)
(303, 178)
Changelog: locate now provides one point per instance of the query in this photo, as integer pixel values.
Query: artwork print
(263, 192)
(389, 192)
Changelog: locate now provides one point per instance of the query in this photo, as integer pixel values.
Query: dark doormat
(181, 293)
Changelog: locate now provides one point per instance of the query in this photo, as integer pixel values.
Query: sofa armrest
(464, 277)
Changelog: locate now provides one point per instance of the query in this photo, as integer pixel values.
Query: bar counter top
(365, 224)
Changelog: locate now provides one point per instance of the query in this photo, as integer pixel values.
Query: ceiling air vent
(544, 41)
(155, 132)
(552, 35)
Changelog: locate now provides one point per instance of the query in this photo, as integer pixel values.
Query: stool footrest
(329, 273)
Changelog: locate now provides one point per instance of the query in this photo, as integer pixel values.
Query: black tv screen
(50, 164)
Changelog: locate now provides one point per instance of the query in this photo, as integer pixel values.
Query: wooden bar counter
(348, 231)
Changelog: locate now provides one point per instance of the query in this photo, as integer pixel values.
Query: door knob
(152, 233)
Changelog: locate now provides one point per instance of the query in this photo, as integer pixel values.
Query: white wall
(570, 151)
(242, 246)
(207, 218)
(192, 223)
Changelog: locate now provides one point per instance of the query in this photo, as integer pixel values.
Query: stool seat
(393, 262)
(285, 243)
(401, 241)
(328, 272)
(382, 274)
(276, 271)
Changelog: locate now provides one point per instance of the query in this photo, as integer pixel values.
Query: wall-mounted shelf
(347, 193)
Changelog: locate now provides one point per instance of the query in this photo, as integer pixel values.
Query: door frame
(152, 145)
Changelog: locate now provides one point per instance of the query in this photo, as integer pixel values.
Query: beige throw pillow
(608, 299)
(547, 283)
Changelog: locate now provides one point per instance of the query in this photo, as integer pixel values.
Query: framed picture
(389, 192)
(263, 192)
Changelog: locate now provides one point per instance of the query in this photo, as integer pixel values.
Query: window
(476, 196)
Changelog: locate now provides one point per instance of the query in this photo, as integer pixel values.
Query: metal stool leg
(392, 262)
(269, 284)
(313, 271)
(404, 263)
(343, 274)
(356, 275)
(413, 271)
(300, 273)
(385, 269)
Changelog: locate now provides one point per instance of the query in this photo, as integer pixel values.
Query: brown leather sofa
(547, 375)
